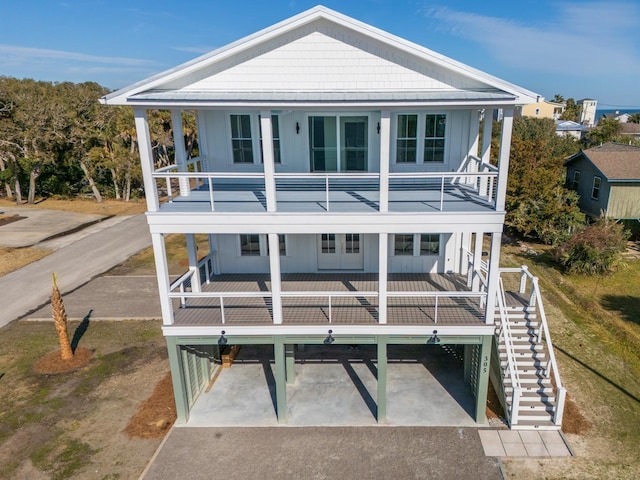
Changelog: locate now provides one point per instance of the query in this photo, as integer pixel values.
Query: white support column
(503, 158)
(276, 279)
(213, 249)
(268, 160)
(162, 273)
(477, 258)
(485, 154)
(474, 134)
(383, 267)
(192, 256)
(385, 139)
(464, 259)
(492, 278)
(181, 151)
(146, 158)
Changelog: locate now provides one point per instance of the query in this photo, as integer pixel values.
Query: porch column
(162, 274)
(485, 154)
(381, 398)
(474, 134)
(192, 256)
(276, 280)
(466, 245)
(503, 158)
(177, 378)
(213, 251)
(146, 158)
(383, 267)
(268, 160)
(385, 139)
(493, 278)
(477, 259)
(181, 152)
(290, 356)
(483, 379)
(281, 380)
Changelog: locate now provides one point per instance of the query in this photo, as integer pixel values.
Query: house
(630, 130)
(607, 178)
(571, 129)
(588, 109)
(542, 109)
(346, 200)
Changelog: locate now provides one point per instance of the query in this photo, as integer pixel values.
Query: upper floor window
(241, 141)
(595, 192)
(411, 147)
(576, 180)
(275, 131)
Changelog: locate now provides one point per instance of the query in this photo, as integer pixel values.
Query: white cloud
(585, 39)
(15, 53)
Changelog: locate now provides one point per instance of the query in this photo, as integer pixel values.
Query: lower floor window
(258, 245)
(415, 244)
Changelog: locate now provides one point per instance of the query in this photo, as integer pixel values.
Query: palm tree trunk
(60, 321)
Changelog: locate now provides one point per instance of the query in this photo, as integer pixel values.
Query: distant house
(542, 109)
(570, 128)
(607, 178)
(588, 111)
(630, 130)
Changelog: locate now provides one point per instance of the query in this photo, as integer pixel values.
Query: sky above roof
(577, 49)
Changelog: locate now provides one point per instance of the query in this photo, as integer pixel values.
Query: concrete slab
(516, 449)
(536, 450)
(336, 386)
(509, 436)
(530, 436)
(374, 453)
(491, 443)
(40, 225)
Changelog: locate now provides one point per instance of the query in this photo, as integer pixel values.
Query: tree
(538, 204)
(595, 249)
(60, 321)
(606, 131)
(572, 111)
(634, 118)
(557, 98)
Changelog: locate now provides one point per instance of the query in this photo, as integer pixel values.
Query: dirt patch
(52, 363)
(494, 408)
(11, 259)
(573, 421)
(107, 207)
(7, 219)
(156, 415)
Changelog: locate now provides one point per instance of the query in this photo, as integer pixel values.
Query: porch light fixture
(222, 340)
(329, 340)
(435, 338)
(297, 128)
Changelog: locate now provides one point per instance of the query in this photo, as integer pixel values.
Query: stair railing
(504, 334)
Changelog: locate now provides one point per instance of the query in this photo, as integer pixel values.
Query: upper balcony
(470, 189)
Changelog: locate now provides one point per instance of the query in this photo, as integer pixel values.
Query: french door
(340, 251)
(339, 143)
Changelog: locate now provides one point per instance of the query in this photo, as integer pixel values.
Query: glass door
(323, 140)
(353, 144)
(339, 144)
(340, 251)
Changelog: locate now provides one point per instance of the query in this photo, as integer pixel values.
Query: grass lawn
(595, 328)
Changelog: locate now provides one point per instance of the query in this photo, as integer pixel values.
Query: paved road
(96, 250)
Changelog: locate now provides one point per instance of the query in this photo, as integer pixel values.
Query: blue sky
(577, 49)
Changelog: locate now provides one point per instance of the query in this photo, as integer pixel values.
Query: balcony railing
(472, 188)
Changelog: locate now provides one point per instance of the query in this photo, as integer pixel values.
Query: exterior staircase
(533, 395)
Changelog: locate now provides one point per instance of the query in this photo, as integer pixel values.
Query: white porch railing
(543, 337)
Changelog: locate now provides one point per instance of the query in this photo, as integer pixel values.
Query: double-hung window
(241, 141)
(420, 138)
(576, 180)
(595, 191)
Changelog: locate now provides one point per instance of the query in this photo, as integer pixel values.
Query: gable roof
(615, 161)
(321, 56)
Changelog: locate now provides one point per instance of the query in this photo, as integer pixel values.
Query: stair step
(538, 390)
(535, 425)
(521, 355)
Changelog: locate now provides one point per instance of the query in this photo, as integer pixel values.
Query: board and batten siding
(585, 186)
(624, 201)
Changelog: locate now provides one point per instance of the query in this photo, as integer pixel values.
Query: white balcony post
(192, 256)
(276, 280)
(268, 159)
(162, 273)
(383, 248)
(146, 158)
(385, 139)
(503, 162)
(181, 151)
(213, 252)
(485, 155)
(464, 259)
(493, 278)
(477, 259)
(474, 134)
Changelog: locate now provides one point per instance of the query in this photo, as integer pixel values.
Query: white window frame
(420, 140)
(256, 139)
(417, 238)
(593, 187)
(575, 183)
(264, 245)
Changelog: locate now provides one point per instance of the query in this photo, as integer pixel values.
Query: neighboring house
(542, 109)
(571, 129)
(607, 178)
(588, 111)
(347, 199)
(630, 130)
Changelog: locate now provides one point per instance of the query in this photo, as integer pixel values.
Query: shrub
(595, 249)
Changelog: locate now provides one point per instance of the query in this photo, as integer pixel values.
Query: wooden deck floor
(351, 310)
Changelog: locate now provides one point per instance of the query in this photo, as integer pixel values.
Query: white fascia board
(337, 330)
(122, 96)
(304, 223)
